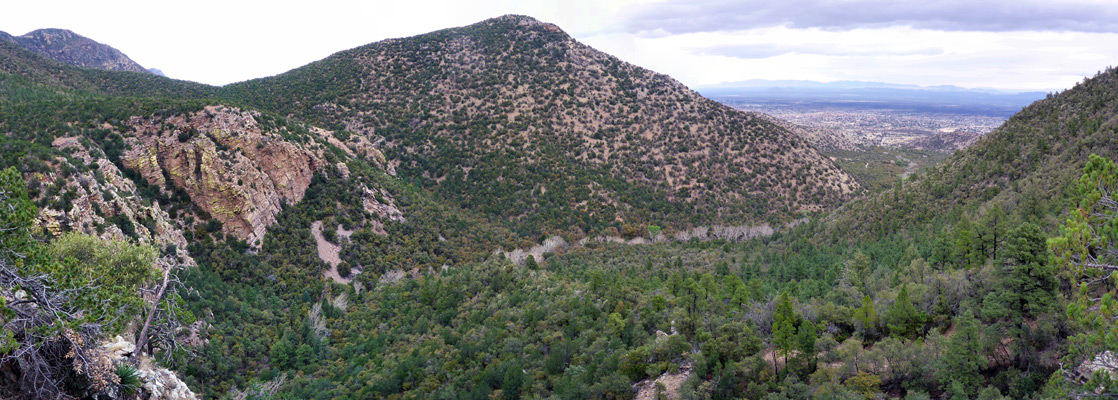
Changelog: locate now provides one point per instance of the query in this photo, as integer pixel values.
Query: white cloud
(685, 16)
(1022, 60)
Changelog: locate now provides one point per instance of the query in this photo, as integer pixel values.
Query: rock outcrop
(158, 383)
(666, 386)
(1105, 363)
(102, 201)
(230, 166)
(380, 203)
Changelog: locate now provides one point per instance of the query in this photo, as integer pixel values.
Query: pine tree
(858, 269)
(992, 231)
(1086, 252)
(903, 318)
(784, 328)
(962, 360)
(805, 345)
(1028, 281)
(865, 318)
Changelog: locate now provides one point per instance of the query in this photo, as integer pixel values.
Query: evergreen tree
(865, 318)
(858, 269)
(1028, 283)
(1027, 291)
(805, 345)
(992, 230)
(1087, 252)
(784, 328)
(962, 361)
(903, 318)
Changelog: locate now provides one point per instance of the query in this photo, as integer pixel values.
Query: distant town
(876, 126)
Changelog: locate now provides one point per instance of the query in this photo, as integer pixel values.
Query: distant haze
(1003, 44)
(874, 95)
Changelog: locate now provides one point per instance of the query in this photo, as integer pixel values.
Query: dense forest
(985, 277)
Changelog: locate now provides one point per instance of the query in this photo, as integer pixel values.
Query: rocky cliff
(103, 202)
(235, 170)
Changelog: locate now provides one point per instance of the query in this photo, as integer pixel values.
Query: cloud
(766, 50)
(689, 16)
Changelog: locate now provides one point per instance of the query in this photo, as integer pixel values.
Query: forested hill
(1025, 165)
(514, 118)
(18, 63)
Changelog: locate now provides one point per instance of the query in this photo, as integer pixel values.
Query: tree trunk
(142, 339)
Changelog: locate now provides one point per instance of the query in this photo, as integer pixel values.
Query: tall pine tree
(784, 328)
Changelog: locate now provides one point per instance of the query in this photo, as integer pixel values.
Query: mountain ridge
(71, 48)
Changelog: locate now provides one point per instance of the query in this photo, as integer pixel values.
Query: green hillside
(346, 230)
(514, 119)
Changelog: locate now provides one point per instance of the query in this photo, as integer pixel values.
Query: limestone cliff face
(232, 168)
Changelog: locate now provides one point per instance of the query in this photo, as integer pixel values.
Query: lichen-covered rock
(230, 166)
(104, 192)
(162, 384)
(1105, 362)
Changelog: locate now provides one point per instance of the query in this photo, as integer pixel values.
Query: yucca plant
(130, 381)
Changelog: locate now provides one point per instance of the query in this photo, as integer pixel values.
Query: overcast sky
(1007, 44)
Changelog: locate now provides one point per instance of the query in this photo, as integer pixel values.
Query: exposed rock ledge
(230, 166)
(158, 383)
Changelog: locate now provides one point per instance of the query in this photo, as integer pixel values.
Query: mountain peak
(66, 46)
(52, 34)
(518, 21)
(515, 119)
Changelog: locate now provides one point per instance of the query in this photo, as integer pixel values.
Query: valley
(870, 125)
(500, 211)
(841, 115)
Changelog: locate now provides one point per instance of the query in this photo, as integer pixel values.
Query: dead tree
(164, 320)
(50, 348)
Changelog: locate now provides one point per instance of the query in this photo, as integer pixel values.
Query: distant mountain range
(943, 98)
(71, 48)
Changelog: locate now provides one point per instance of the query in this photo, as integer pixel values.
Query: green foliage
(129, 379)
(70, 292)
(866, 319)
(990, 393)
(865, 384)
(903, 318)
(963, 359)
(1084, 253)
(16, 216)
(112, 271)
(784, 326)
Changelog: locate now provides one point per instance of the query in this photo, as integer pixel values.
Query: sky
(1002, 44)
